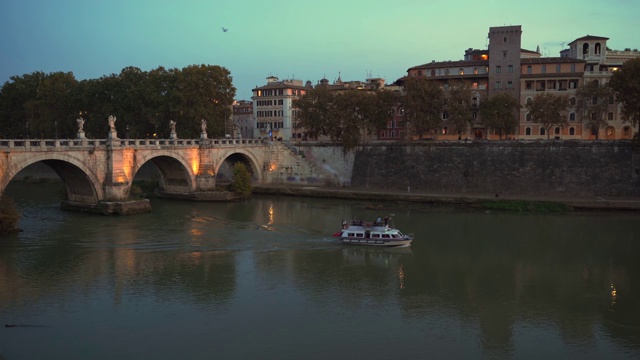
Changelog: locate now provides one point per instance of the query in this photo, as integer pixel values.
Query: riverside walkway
(584, 203)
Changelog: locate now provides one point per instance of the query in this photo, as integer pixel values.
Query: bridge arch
(82, 185)
(246, 157)
(177, 174)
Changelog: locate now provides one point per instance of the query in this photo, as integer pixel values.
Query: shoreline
(486, 201)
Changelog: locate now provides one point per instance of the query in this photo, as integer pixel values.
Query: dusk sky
(302, 39)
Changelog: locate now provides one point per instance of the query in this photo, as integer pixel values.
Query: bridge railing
(141, 143)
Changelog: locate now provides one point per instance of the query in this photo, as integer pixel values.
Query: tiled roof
(590, 37)
(280, 85)
(449, 64)
(550, 60)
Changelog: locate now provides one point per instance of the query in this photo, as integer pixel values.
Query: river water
(264, 279)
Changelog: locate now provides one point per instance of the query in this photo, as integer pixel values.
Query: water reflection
(472, 285)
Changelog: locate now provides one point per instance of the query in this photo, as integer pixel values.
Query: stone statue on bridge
(172, 126)
(112, 127)
(203, 125)
(80, 122)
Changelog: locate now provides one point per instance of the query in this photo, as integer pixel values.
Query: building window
(498, 85)
(528, 85)
(610, 116)
(557, 131)
(572, 101)
(572, 117)
(626, 131)
(433, 73)
(528, 101)
(504, 39)
(445, 130)
(558, 68)
(510, 84)
(544, 69)
(474, 115)
(461, 71)
(572, 131)
(610, 131)
(573, 67)
(597, 48)
(543, 131)
(475, 71)
(445, 115)
(527, 131)
(529, 69)
(510, 68)
(527, 117)
(504, 54)
(611, 100)
(498, 69)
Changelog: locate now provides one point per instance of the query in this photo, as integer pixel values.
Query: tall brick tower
(504, 60)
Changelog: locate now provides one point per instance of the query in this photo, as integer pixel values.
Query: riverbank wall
(502, 168)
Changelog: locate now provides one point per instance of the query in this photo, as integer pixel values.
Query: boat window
(360, 235)
(375, 235)
(351, 234)
(386, 236)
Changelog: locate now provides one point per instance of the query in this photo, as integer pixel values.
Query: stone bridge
(98, 172)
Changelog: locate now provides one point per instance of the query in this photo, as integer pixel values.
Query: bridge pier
(130, 207)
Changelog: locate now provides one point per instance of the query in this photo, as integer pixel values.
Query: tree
(206, 92)
(14, 94)
(592, 105)
(500, 113)
(241, 183)
(459, 107)
(379, 110)
(626, 85)
(548, 109)
(423, 102)
(349, 117)
(315, 111)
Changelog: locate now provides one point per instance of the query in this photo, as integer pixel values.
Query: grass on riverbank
(9, 216)
(524, 205)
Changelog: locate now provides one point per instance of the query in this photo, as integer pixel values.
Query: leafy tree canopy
(459, 106)
(423, 102)
(500, 113)
(626, 85)
(47, 105)
(592, 105)
(345, 117)
(549, 110)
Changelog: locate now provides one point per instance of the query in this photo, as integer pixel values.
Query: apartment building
(507, 68)
(600, 62)
(557, 75)
(242, 120)
(273, 108)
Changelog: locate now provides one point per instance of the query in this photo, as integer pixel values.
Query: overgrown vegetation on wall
(241, 183)
(9, 216)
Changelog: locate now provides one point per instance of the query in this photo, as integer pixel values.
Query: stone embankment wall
(578, 168)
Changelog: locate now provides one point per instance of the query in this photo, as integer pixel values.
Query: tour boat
(376, 233)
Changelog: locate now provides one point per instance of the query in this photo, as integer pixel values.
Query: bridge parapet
(66, 144)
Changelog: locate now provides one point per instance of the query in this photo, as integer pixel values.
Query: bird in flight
(224, 29)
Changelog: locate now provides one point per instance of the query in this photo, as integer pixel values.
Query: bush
(9, 216)
(241, 183)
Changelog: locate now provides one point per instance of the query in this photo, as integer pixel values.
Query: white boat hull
(375, 242)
